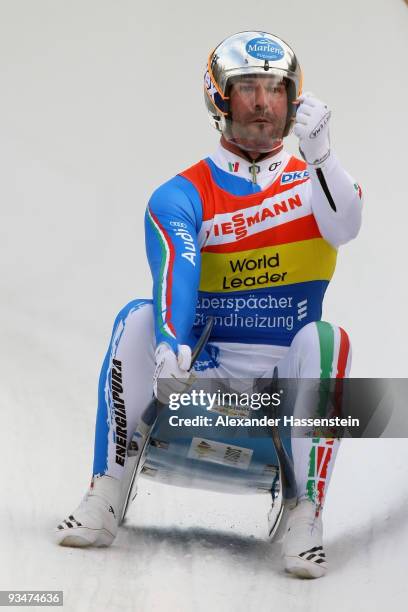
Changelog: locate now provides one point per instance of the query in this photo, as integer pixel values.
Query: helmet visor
(260, 111)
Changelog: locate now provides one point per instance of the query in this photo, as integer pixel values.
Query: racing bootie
(302, 548)
(94, 522)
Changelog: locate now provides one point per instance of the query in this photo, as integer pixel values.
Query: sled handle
(202, 341)
(286, 467)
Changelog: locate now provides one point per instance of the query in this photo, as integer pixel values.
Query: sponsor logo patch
(254, 169)
(322, 123)
(274, 166)
(264, 49)
(358, 189)
(120, 432)
(302, 309)
(187, 239)
(241, 221)
(291, 177)
(233, 166)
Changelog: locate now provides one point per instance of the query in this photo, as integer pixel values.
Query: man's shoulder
(179, 190)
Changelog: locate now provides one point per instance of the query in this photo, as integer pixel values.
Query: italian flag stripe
(166, 276)
(326, 338)
(331, 343)
(343, 354)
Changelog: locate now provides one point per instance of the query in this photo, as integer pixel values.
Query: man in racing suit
(248, 235)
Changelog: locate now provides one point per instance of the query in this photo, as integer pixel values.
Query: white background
(100, 102)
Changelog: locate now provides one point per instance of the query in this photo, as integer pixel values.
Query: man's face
(259, 107)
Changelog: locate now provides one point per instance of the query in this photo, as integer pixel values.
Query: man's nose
(260, 97)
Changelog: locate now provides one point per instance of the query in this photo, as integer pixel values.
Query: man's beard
(256, 136)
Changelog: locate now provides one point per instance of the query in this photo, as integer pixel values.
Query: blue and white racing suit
(254, 245)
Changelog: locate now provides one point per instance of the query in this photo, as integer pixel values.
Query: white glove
(312, 129)
(171, 374)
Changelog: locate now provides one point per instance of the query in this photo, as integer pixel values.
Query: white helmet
(242, 56)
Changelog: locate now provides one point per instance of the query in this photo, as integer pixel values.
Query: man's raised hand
(312, 128)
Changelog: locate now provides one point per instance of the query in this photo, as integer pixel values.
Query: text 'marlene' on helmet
(250, 84)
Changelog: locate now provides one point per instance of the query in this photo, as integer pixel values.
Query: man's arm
(336, 197)
(172, 221)
(336, 201)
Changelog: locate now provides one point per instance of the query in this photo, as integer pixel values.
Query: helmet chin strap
(251, 156)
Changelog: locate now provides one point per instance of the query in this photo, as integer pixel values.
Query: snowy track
(185, 550)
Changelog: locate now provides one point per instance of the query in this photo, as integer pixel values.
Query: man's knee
(139, 309)
(327, 343)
